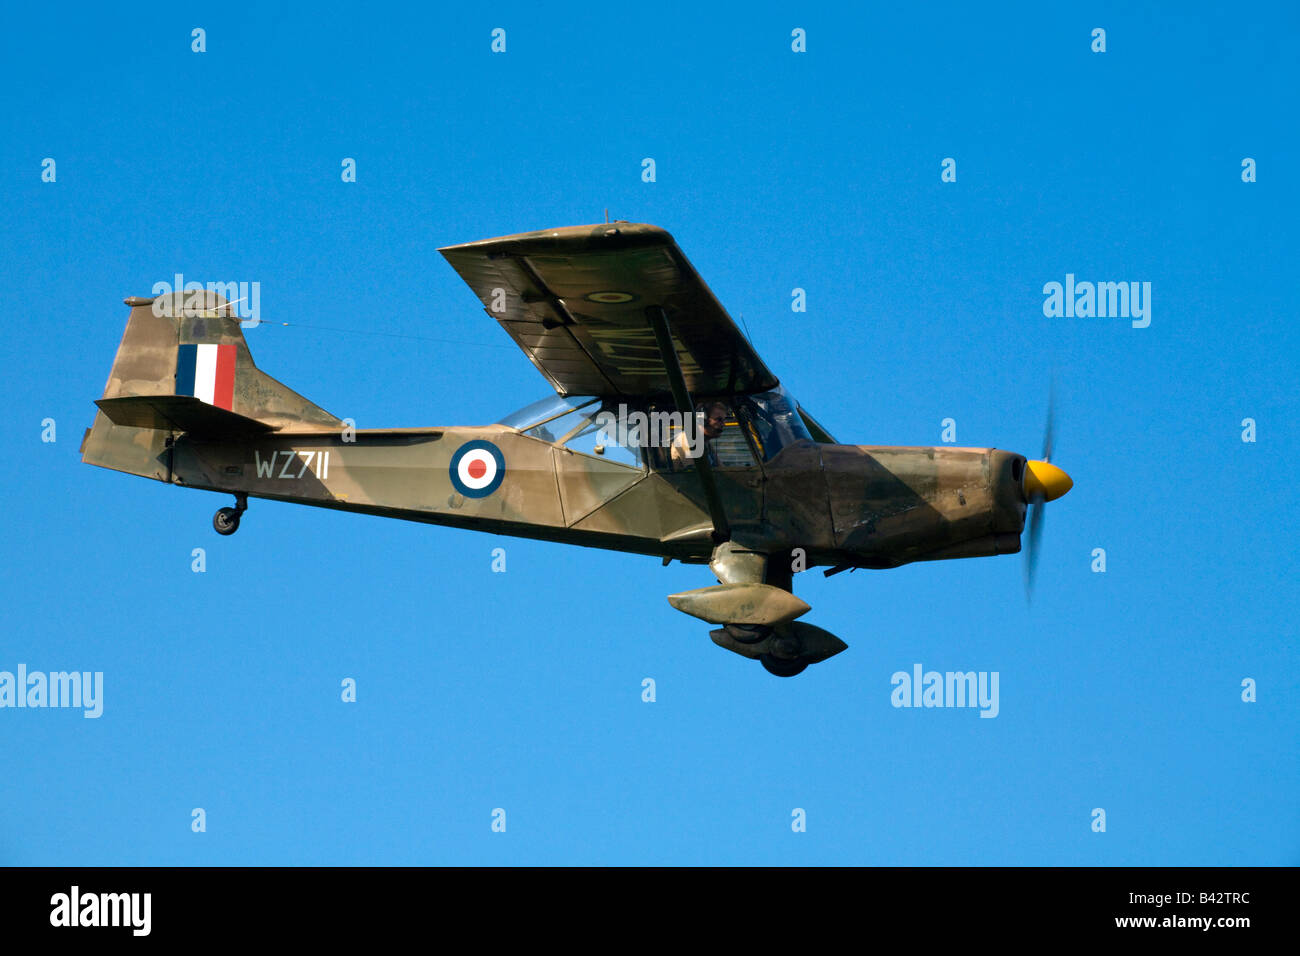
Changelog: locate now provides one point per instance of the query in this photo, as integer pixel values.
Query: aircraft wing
(575, 300)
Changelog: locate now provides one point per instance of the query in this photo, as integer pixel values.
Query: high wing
(575, 300)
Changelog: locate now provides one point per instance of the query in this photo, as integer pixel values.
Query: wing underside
(575, 300)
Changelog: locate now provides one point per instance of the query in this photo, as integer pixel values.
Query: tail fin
(183, 366)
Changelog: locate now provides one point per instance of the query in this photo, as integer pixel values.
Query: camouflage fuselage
(866, 506)
(854, 505)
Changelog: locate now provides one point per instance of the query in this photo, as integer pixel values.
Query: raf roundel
(477, 469)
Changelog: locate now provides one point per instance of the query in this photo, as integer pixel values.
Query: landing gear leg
(226, 520)
(748, 633)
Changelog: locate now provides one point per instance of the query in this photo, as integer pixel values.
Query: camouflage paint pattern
(860, 505)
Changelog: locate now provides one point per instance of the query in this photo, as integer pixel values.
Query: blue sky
(775, 170)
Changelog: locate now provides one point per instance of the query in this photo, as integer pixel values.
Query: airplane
(667, 436)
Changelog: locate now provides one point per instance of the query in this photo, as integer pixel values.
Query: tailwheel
(226, 521)
(782, 667)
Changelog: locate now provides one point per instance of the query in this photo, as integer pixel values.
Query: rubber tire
(781, 667)
(225, 521)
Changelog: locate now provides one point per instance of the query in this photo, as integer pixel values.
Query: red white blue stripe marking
(207, 372)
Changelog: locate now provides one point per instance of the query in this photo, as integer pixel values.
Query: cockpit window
(716, 434)
(774, 421)
(767, 422)
(604, 439)
(565, 425)
(582, 425)
(544, 410)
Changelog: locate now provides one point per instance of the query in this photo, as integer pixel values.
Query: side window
(599, 443)
(722, 438)
(730, 450)
(772, 422)
(557, 428)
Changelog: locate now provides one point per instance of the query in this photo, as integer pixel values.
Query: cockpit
(737, 432)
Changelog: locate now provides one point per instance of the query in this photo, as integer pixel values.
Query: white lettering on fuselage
(265, 467)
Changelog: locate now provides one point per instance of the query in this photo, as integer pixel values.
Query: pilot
(715, 420)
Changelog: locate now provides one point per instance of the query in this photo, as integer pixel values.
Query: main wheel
(780, 666)
(226, 521)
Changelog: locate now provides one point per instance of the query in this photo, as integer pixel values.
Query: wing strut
(659, 322)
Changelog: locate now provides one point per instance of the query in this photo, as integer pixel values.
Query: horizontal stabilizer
(740, 604)
(180, 413)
